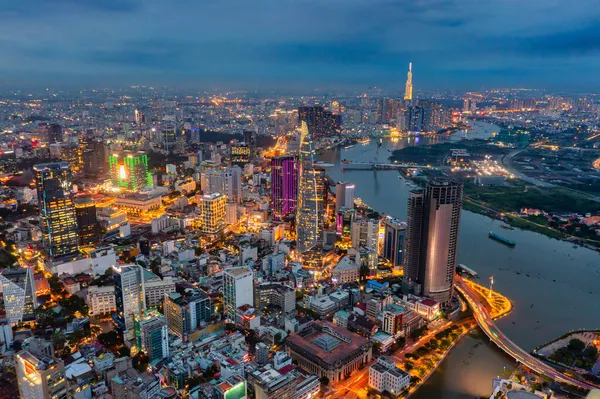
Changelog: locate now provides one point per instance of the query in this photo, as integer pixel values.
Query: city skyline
(302, 45)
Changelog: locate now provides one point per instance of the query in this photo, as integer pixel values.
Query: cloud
(451, 42)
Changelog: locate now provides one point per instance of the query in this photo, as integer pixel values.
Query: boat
(507, 227)
(349, 146)
(364, 140)
(462, 268)
(501, 239)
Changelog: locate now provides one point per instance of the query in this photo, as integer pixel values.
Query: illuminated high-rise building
(431, 238)
(59, 221)
(284, 185)
(129, 170)
(129, 295)
(393, 241)
(18, 294)
(408, 90)
(212, 213)
(320, 122)
(87, 221)
(309, 221)
(40, 376)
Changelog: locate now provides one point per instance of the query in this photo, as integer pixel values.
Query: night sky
(462, 44)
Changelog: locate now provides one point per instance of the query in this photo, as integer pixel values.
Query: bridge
(489, 327)
(381, 166)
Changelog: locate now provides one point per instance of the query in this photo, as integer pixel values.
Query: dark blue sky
(463, 44)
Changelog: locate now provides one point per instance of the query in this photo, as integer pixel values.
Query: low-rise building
(268, 383)
(346, 271)
(386, 376)
(329, 351)
(101, 300)
(275, 294)
(136, 204)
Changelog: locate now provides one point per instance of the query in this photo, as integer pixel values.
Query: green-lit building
(151, 335)
(513, 138)
(129, 170)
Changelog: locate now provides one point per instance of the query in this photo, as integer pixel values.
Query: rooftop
(328, 342)
(345, 264)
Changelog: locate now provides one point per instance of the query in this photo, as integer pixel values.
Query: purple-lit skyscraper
(284, 185)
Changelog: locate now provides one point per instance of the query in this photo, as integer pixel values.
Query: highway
(487, 324)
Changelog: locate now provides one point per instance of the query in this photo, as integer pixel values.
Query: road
(487, 324)
(507, 162)
(349, 388)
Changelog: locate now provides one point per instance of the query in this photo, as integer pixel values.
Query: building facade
(151, 334)
(185, 313)
(238, 286)
(284, 185)
(57, 211)
(393, 244)
(129, 295)
(329, 351)
(101, 300)
(129, 170)
(18, 291)
(386, 376)
(432, 238)
(40, 376)
(212, 213)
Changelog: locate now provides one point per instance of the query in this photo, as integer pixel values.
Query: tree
(75, 304)
(576, 345)
(123, 351)
(110, 339)
(324, 381)
(140, 362)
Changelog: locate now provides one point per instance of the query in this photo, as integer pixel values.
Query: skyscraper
(408, 90)
(284, 185)
(151, 336)
(87, 222)
(212, 213)
(344, 196)
(393, 244)
(227, 182)
(59, 222)
(18, 292)
(129, 294)
(320, 122)
(432, 238)
(238, 289)
(55, 133)
(129, 170)
(309, 223)
(168, 133)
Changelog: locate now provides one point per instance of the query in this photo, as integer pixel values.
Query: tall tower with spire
(309, 226)
(409, 88)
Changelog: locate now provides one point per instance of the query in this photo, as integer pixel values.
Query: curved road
(488, 326)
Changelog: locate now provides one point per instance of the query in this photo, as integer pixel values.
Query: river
(553, 286)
